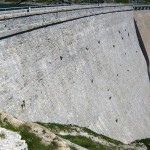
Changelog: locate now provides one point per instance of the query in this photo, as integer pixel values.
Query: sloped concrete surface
(143, 22)
(89, 71)
(142, 19)
(11, 141)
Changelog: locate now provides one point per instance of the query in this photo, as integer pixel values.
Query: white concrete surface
(11, 141)
(88, 71)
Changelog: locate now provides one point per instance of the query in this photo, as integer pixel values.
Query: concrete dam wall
(86, 70)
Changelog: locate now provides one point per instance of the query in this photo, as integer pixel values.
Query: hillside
(50, 136)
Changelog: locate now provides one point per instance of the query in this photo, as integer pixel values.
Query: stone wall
(88, 71)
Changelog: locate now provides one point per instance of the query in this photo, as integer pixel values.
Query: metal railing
(32, 7)
(136, 6)
(141, 6)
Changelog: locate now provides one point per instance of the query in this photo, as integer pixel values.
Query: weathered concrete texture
(36, 19)
(11, 141)
(88, 71)
(59, 8)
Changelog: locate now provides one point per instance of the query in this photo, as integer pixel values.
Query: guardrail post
(29, 9)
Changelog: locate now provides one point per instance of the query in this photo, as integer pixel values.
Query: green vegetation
(86, 142)
(55, 127)
(2, 135)
(72, 148)
(116, 142)
(146, 142)
(122, 1)
(147, 1)
(32, 140)
(80, 140)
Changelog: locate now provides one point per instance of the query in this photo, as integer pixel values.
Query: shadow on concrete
(143, 49)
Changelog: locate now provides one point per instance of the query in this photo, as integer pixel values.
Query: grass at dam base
(81, 136)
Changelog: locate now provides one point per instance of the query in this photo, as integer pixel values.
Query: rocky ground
(50, 136)
(11, 141)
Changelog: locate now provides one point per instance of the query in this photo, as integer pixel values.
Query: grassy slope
(33, 142)
(146, 142)
(81, 140)
(86, 142)
(68, 128)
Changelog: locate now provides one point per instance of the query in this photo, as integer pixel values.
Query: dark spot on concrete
(113, 45)
(117, 75)
(10, 98)
(23, 104)
(61, 57)
(87, 48)
(92, 80)
(128, 70)
(119, 31)
(125, 29)
(128, 34)
(125, 53)
(116, 120)
(122, 38)
(99, 42)
(136, 51)
(110, 97)
(108, 90)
